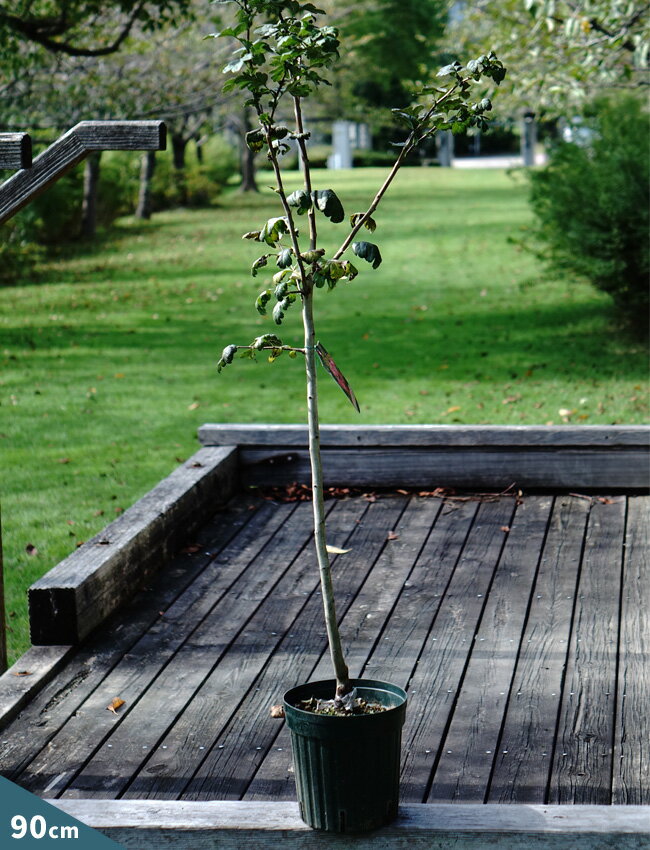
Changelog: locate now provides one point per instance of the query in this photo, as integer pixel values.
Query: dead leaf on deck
(116, 704)
(334, 550)
(392, 536)
(277, 711)
(505, 528)
(192, 549)
(23, 673)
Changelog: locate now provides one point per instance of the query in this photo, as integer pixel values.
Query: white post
(528, 138)
(445, 148)
(342, 149)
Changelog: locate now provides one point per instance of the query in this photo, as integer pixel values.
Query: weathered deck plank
(469, 747)
(522, 766)
(582, 768)
(630, 774)
(436, 682)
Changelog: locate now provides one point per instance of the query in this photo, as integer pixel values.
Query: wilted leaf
(334, 550)
(392, 536)
(277, 712)
(192, 549)
(505, 528)
(329, 204)
(368, 251)
(193, 406)
(23, 673)
(116, 703)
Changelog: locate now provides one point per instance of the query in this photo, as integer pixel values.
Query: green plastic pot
(347, 768)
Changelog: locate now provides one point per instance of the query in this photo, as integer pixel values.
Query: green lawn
(108, 362)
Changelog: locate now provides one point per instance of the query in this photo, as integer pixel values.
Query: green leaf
(226, 356)
(284, 258)
(367, 251)
(301, 200)
(329, 204)
(266, 340)
(450, 70)
(351, 271)
(312, 256)
(273, 230)
(279, 310)
(262, 300)
(255, 140)
(370, 224)
(259, 263)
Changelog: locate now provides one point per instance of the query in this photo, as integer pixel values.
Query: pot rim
(360, 684)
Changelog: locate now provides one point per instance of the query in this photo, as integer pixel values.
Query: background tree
(83, 27)
(562, 52)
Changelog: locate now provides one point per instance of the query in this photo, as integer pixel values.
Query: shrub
(592, 206)
(200, 183)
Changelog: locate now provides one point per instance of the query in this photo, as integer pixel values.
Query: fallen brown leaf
(392, 536)
(116, 703)
(505, 528)
(23, 673)
(277, 711)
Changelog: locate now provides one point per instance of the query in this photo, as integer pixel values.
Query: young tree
(281, 56)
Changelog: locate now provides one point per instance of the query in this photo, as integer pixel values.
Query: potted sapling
(345, 733)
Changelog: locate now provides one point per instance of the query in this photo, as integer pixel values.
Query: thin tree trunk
(327, 591)
(199, 150)
(147, 168)
(179, 144)
(247, 157)
(88, 226)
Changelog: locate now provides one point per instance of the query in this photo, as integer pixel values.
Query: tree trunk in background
(147, 167)
(247, 157)
(179, 144)
(89, 203)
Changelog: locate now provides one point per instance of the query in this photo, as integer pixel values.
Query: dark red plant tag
(335, 372)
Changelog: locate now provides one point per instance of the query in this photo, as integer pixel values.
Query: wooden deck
(519, 626)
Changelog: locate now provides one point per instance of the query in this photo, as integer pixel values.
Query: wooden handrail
(15, 151)
(72, 148)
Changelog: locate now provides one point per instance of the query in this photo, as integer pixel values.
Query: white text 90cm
(38, 827)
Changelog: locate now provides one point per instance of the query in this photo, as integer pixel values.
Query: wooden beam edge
(414, 820)
(56, 595)
(118, 135)
(24, 679)
(420, 436)
(15, 151)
